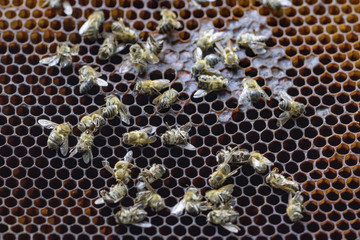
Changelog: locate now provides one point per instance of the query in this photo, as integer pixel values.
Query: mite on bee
(155, 172)
(295, 205)
(168, 22)
(88, 77)
(208, 38)
(225, 216)
(204, 65)
(63, 55)
(122, 169)
(134, 215)
(57, 4)
(276, 4)
(151, 87)
(178, 136)
(252, 91)
(93, 121)
(59, 136)
(277, 180)
(210, 83)
(192, 203)
(166, 100)
(114, 107)
(222, 172)
(83, 146)
(149, 198)
(231, 59)
(290, 107)
(109, 47)
(255, 42)
(221, 195)
(116, 193)
(91, 27)
(123, 33)
(140, 137)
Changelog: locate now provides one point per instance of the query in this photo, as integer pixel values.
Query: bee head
(255, 95)
(81, 127)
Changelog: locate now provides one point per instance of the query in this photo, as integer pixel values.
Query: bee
(149, 198)
(116, 193)
(255, 42)
(139, 137)
(93, 121)
(290, 108)
(259, 162)
(252, 91)
(204, 65)
(166, 100)
(151, 87)
(234, 155)
(277, 180)
(225, 216)
(63, 55)
(57, 4)
(295, 206)
(88, 77)
(109, 47)
(223, 171)
(155, 172)
(168, 22)
(192, 203)
(208, 38)
(123, 33)
(276, 4)
(59, 136)
(91, 27)
(197, 3)
(114, 107)
(221, 195)
(153, 47)
(132, 215)
(178, 136)
(83, 146)
(231, 60)
(122, 169)
(210, 83)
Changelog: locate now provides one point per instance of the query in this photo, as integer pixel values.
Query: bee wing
(101, 82)
(283, 118)
(200, 93)
(157, 100)
(152, 58)
(106, 165)
(219, 48)
(285, 3)
(143, 224)
(124, 114)
(186, 127)
(87, 156)
(129, 156)
(47, 124)
(64, 148)
(51, 61)
(228, 188)
(149, 130)
(198, 53)
(257, 48)
(140, 185)
(99, 201)
(267, 161)
(178, 25)
(163, 82)
(84, 27)
(67, 8)
(152, 139)
(217, 36)
(243, 94)
(73, 151)
(125, 66)
(178, 209)
(189, 147)
(120, 47)
(231, 227)
(264, 95)
(285, 96)
(75, 49)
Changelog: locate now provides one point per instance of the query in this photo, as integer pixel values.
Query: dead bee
(57, 4)
(221, 195)
(223, 171)
(231, 60)
(149, 198)
(168, 22)
(133, 215)
(155, 172)
(63, 55)
(140, 137)
(252, 91)
(83, 146)
(276, 4)
(295, 206)
(91, 27)
(290, 108)
(178, 136)
(123, 33)
(88, 77)
(255, 42)
(59, 136)
(234, 155)
(192, 203)
(116, 193)
(166, 100)
(122, 169)
(114, 107)
(204, 65)
(208, 38)
(277, 180)
(197, 3)
(152, 47)
(259, 162)
(109, 47)
(93, 121)
(151, 87)
(225, 216)
(210, 83)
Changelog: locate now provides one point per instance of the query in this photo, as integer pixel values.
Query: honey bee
(277, 180)
(225, 216)
(252, 91)
(234, 155)
(122, 169)
(255, 42)
(223, 171)
(83, 146)
(149, 198)
(153, 46)
(155, 172)
(59, 136)
(57, 4)
(231, 60)
(116, 193)
(114, 107)
(109, 47)
(88, 77)
(168, 22)
(166, 100)
(139, 137)
(210, 83)
(192, 203)
(221, 195)
(151, 87)
(139, 58)
(178, 136)
(197, 3)
(63, 55)
(123, 33)
(259, 162)
(295, 206)
(91, 27)
(204, 65)
(93, 121)
(290, 108)
(134, 215)
(276, 4)
(208, 38)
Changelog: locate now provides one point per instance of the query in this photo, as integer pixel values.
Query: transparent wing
(157, 100)
(51, 61)
(101, 82)
(178, 209)
(152, 58)
(87, 156)
(219, 49)
(178, 25)
(143, 224)
(106, 165)
(47, 124)
(75, 49)
(267, 161)
(231, 227)
(163, 82)
(257, 48)
(124, 114)
(228, 188)
(67, 8)
(189, 147)
(217, 36)
(125, 66)
(200, 93)
(243, 95)
(152, 139)
(263, 93)
(149, 130)
(84, 27)
(129, 156)
(73, 151)
(140, 185)
(99, 201)
(198, 53)
(120, 47)
(186, 127)
(283, 118)
(64, 148)
(285, 96)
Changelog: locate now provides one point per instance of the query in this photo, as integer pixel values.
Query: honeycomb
(314, 57)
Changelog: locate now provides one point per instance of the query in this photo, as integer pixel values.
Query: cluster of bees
(218, 202)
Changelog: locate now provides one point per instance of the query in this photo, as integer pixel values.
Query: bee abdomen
(110, 112)
(54, 140)
(212, 59)
(86, 86)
